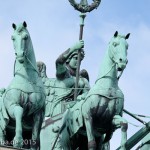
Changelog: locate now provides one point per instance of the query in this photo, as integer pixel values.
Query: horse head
(20, 41)
(118, 50)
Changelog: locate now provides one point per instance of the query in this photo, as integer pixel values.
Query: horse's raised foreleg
(37, 119)
(120, 122)
(18, 140)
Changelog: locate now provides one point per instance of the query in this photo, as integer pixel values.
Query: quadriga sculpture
(24, 98)
(102, 108)
(60, 93)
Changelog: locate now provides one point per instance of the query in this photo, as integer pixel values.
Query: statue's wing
(84, 74)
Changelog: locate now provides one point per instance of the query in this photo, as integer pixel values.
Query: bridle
(113, 60)
(113, 65)
(26, 52)
(31, 64)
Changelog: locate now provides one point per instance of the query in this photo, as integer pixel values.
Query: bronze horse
(101, 111)
(25, 96)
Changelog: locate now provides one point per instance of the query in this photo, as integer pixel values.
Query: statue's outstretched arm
(61, 69)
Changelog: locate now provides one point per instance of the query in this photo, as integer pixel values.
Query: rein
(106, 73)
(120, 75)
(31, 64)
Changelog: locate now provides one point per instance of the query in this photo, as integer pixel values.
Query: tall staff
(82, 7)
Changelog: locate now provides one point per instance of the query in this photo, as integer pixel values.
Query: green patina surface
(60, 92)
(64, 112)
(102, 108)
(24, 99)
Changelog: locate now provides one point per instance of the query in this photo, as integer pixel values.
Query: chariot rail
(138, 136)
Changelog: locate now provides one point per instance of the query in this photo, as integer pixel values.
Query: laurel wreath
(87, 8)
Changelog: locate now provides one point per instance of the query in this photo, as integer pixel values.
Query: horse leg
(37, 123)
(120, 122)
(15, 111)
(88, 124)
(18, 140)
(65, 140)
(101, 145)
(2, 137)
(89, 131)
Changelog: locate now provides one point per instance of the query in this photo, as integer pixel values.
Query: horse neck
(28, 68)
(31, 56)
(107, 76)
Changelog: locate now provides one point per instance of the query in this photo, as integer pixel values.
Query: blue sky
(54, 27)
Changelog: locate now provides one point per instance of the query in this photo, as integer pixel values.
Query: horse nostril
(120, 60)
(23, 54)
(16, 54)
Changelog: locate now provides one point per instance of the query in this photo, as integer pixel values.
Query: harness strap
(50, 121)
(32, 64)
(106, 73)
(120, 75)
(114, 63)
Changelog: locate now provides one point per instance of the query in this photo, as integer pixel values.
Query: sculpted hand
(78, 45)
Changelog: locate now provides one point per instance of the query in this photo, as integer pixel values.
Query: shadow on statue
(101, 111)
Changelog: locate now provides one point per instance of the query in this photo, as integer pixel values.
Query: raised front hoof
(18, 142)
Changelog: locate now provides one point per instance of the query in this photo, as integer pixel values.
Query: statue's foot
(18, 142)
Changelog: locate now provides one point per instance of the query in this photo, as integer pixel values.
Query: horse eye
(12, 37)
(115, 44)
(25, 37)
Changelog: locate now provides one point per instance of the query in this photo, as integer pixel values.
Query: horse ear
(127, 36)
(24, 24)
(14, 26)
(116, 33)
